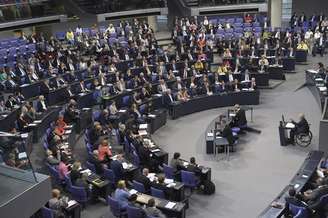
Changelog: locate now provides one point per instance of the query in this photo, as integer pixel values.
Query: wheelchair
(303, 139)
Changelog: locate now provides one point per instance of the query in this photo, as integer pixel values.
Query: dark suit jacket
(240, 118)
(39, 107)
(144, 180)
(117, 168)
(227, 133)
(167, 100)
(302, 126)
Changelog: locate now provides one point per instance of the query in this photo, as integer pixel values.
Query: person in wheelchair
(302, 126)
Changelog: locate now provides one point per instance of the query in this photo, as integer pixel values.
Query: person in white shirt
(78, 30)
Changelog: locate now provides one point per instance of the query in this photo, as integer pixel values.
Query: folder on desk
(37, 121)
(22, 155)
(210, 134)
(170, 205)
(133, 191)
(143, 126)
(151, 115)
(122, 111)
(71, 203)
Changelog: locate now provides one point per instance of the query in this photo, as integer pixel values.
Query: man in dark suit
(293, 199)
(227, 133)
(117, 167)
(192, 166)
(142, 178)
(168, 98)
(302, 126)
(41, 105)
(240, 117)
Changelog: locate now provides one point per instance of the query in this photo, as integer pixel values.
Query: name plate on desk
(170, 205)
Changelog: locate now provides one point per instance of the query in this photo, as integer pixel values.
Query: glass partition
(14, 156)
(17, 10)
(227, 2)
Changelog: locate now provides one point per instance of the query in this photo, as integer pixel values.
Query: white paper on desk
(155, 150)
(128, 90)
(151, 115)
(86, 171)
(24, 135)
(158, 95)
(142, 132)
(32, 124)
(143, 126)
(168, 181)
(170, 205)
(244, 89)
(210, 134)
(86, 108)
(71, 203)
(69, 126)
(68, 131)
(122, 111)
(232, 115)
(290, 125)
(319, 80)
(312, 71)
(322, 89)
(37, 121)
(185, 164)
(296, 186)
(125, 165)
(133, 191)
(22, 155)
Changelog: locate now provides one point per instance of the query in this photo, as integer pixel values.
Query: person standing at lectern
(302, 126)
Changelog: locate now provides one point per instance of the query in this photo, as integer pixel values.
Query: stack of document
(122, 111)
(142, 132)
(143, 126)
(133, 191)
(170, 205)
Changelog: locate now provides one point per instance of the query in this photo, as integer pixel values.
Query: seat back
(91, 166)
(47, 212)
(188, 179)
(157, 193)
(139, 186)
(114, 206)
(297, 211)
(134, 212)
(79, 194)
(68, 183)
(109, 174)
(168, 171)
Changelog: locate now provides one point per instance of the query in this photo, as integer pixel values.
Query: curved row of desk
(299, 182)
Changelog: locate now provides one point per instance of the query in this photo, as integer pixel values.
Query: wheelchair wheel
(304, 139)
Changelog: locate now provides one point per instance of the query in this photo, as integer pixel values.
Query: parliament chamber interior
(163, 108)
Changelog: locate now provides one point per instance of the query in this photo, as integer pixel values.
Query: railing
(99, 7)
(226, 2)
(12, 11)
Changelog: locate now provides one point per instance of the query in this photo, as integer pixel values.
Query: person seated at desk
(82, 181)
(183, 96)
(152, 211)
(162, 87)
(193, 167)
(168, 98)
(75, 171)
(135, 112)
(13, 161)
(45, 87)
(263, 63)
(206, 88)
(133, 203)
(81, 87)
(175, 162)
(112, 108)
(136, 98)
(57, 203)
(227, 53)
(117, 167)
(104, 151)
(60, 123)
(93, 158)
(22, 124)
(30, 114)
(222, 70)
(302, 126)
(63, 168)
(51, 159)
(144, 94)
(41, 105)
(11, 102)
(178, 85)
(302, 46)
(293, 199)
(227, 132)
(19, 97)
(120, 85)
(10, 84)
(199, 66)
(143, 179)
(239, 119)
(121, 194)
(71, 113)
